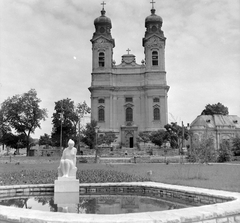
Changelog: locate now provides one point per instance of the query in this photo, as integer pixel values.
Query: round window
(102, 30)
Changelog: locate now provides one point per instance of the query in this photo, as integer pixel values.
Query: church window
(101, 59)
(156, 114)
(155, 58)
(128, 99)
(101, 115)
(155, 100)
(129, 115)
(101, 101)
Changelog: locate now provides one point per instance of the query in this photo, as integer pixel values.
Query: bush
(203, 152)
(82, 160)
(138, 146)
(236, 145)
(84, 176)
(224, 153)
(102, 176)
(191, 157)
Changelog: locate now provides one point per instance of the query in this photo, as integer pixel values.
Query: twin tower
(129, 98)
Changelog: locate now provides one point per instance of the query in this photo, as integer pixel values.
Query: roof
(213, 121)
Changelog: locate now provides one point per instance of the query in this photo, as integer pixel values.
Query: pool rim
(225, 210)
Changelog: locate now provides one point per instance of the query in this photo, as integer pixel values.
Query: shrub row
(84, 176)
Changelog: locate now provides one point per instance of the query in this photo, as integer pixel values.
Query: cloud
(39, 40)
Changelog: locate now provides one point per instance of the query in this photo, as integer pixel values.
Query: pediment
(101, 39)
(155, 36)
(128, 105)
(156, 106)
(154, 40)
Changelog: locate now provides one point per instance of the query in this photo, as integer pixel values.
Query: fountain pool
(209, 205)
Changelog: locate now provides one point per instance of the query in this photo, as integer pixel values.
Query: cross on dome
(128, 50)
(103, 3)
(152, 2)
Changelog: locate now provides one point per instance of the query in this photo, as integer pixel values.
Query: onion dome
(153, 19)
(103, 20)
(103, 27)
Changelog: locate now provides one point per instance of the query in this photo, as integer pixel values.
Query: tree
(15, 141)
(64, 119)
(107, 138)
(4, 128)
(236, 145)
(81, 110)
(203, 150)
(23, 114)
(224, 153)
(143, 137)
(89, 135)
(45, 140)
(215, 109)
(158, 137)
(176, 134)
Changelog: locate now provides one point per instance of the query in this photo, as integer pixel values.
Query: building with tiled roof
(219, 127)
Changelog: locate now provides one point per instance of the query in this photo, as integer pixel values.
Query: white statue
(67, 167)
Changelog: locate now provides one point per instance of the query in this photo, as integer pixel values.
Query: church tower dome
(102, 20)
(102, 43)
(102, 25)
(153, 24)
(153, 18)
(154, 42)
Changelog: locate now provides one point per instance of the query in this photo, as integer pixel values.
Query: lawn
(216, 176)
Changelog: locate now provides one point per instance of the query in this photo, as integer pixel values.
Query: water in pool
(101, 204)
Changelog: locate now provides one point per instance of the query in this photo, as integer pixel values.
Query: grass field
(216, 176)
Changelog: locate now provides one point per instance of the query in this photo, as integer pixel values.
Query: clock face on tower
(154, 28)
(102, 30)
(100, 40)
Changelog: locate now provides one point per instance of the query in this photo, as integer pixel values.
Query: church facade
(129, 98)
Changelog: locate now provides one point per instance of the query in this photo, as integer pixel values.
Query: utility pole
(181, 155)
(61, 118)
(96, 143)
(79, 132)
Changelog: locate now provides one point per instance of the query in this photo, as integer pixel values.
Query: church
(129, 98)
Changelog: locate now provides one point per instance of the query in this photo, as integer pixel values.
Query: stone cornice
(129, 88)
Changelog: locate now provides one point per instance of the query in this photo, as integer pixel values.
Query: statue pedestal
(66, 184)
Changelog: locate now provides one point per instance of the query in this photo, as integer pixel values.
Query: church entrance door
(129, 139)
(131, 142)
(128, 136)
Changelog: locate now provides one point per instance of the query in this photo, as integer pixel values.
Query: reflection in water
(111, 204)
(66, 201)
(20, 203)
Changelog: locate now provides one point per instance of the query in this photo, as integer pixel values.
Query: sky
(45, 45)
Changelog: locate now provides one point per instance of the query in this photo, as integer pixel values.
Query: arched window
(156, 114)
(155, 100)
(101, 101)
(129, 115)
(155, 58)
(101, 115)
(101, 59)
